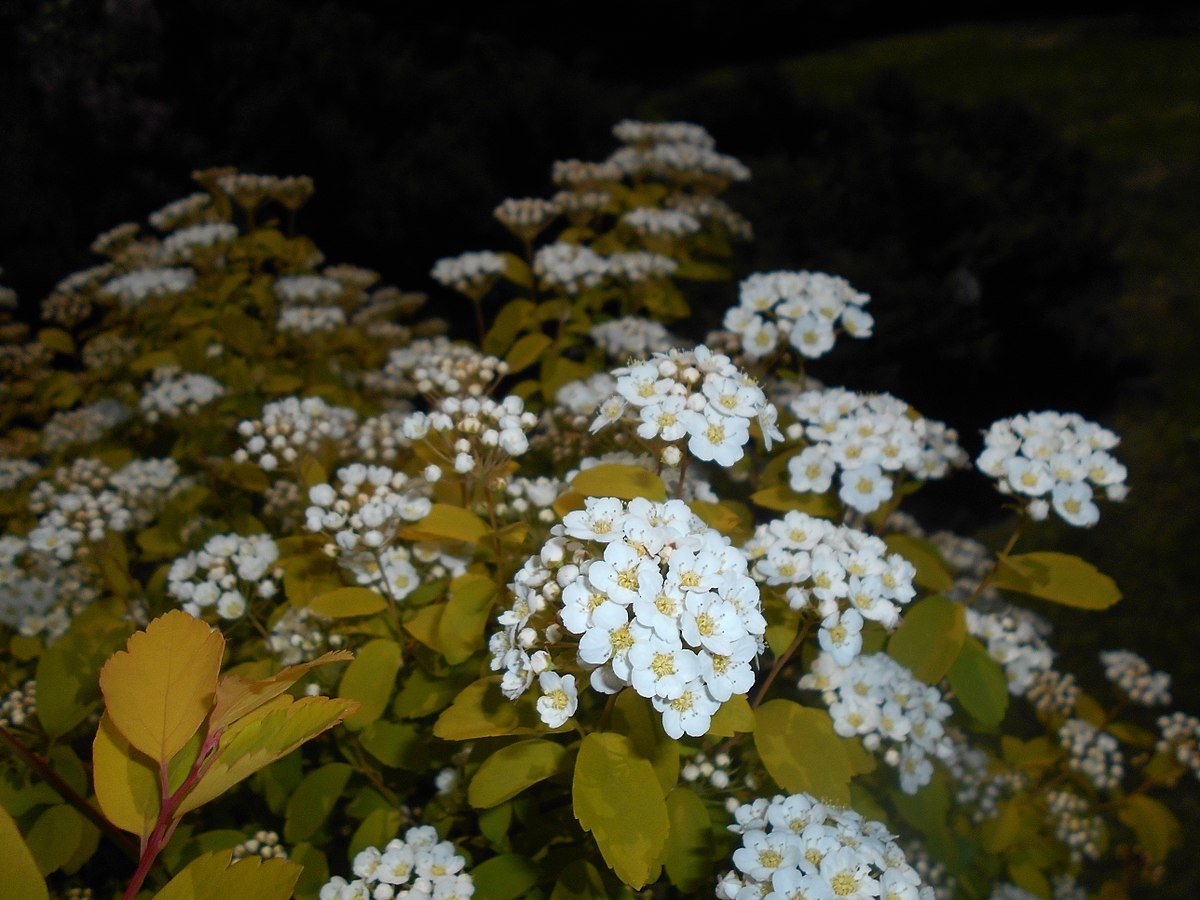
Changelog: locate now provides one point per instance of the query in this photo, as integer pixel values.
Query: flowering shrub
(301, 596)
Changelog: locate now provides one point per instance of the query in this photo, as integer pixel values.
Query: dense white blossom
(632, 336)
(469, 273)
(1093, 753)
(180, 246)
(1135, 679)
(171, 393)
(310, 290)
(419, 865)
(292, 426)
(140, 285)
(226, 575)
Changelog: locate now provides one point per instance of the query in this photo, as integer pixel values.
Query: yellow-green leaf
(1058, 577)
(525, 352)
(782, 499)
(979, 683)
(735, 714)
(238, 696)
(126, 781)
(68, 671)
(509, 321)
(214, 877)
(18, 871)
(313, 801)
(929, 638)
(465, 616)
(57, 340)
(931, 568)
(504, 877)
(346, 603)
(450, 522)
(512, 769)
(1158, 831)
(160, 688)
(54, 837)
(480, 710)
(802, 752)
(616, 797)
(689, 852)
(369, 680)
(618, 480)
(634, 717)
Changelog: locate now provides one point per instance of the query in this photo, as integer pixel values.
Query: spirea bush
(304, 593)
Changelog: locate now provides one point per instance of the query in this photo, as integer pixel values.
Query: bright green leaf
(512, 769)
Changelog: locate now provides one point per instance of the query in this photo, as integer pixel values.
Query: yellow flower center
(663, 665)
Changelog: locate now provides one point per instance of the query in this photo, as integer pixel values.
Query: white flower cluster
(474, 434)
(649, 221)
(877, 699)
(867, 441)
(1053, 693)
(180, 212)
(715, 211)
(583, 397)
(309, 290)
(438, 366)
(798, 847)
(576, 173)
(1075, 824)
(640, 265)
(84, 425)
(19, 705)
(1016, 639)
(632, 336)
(306, 320)
(180, 246)
(715, 772)
(469, 273)
(1135, 679)
(1055, 460)
(290, 427)
(38, 592)
(1093, 753)
(526, 216)
(264, 844)
(659, 601)
(679, 162)
(1180, 740)
(140, 285)
(571, 268)
(847, 575)
(112, 241)
(13, 471)
(420, 866)
(531, 498)
(694, 394)
(226, 574)
(171, 393)
(803, 309)
(632, 131)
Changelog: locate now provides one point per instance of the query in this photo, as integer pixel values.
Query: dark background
(1019, 191)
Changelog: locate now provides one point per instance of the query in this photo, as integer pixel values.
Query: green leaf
(504, 877)
(1158, 831)
(68, 671)
(525, 352)
(395, 745)
(616, 797)
(313, 801)
(18, 870)
(931, 568)
(929, 638)
(618, 480)
(54, 837)
(369, 680)
(57, 340)
(1059, 577)
(980, 684)
(376, 830)
(782, 498)
(212, 877)
(735, 714)
(345, 603)
(512, 769)
(802, 752)
(509, 321)
(465, 617)
(634, 717)
(422, 695)
(315, 874)
(689, 853)
(579, 880)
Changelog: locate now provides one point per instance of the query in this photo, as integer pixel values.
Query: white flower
(661, 668)
(865, 489)
(841, 635)
(690, 713)
(559, 698)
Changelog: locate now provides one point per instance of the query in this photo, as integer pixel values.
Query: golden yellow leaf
(126, 781)
(159, 689)
(237, 696)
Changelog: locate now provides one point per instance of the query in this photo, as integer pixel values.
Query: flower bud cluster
(226, 575)
(1135, 679)
(867, 441)
(364, 508)
(38, 592)
(182, 212)
(299, 636)
(473, 434)
(419, 867)
(292, 426)
(438, 366)
(1055, 460)
(713, 211)
(171, 393)
(140, 285)
(797, 846)
(1180, 739)
(877, 699)
(694, 394)
(658, 600)
(715, 772)
(806, 310)
(180, 246)
(14, 471)
(264, 844)
(1075, 825)
(381, 438)
(1053, 693)
(572, 268)
(649, 221)
(19, 705)
(632, 336)
(1016, 639)
(636, 266)
(307, 290)
(576, 173)
(469, 273)
(680, 163)
(108, 351)
(530, 498)
(1093, 753)
(846, 575)
(526, 216)
(83, 425)
(306, 320)
(933, 872)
